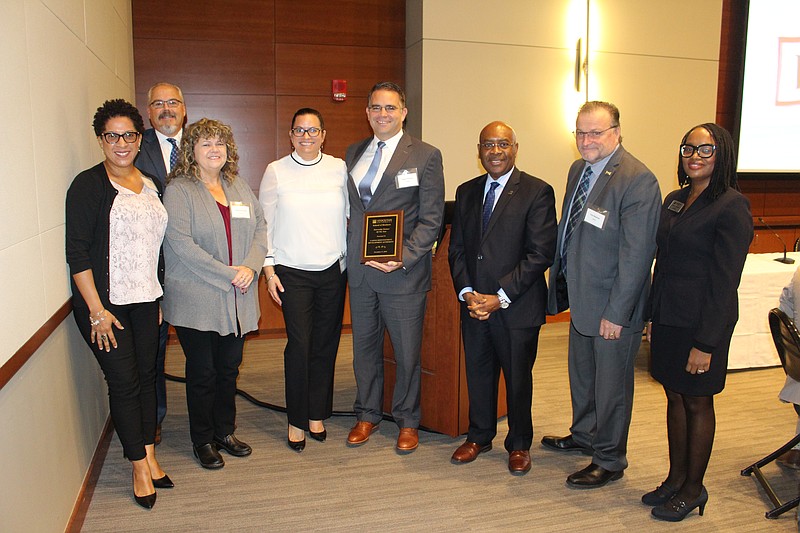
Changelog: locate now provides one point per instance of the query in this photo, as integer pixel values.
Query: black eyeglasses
(113, 138)
(704, 150)
(312, 132)
(171, 103)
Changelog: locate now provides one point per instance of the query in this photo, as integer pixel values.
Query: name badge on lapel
(596, 216)
(675, 206)
(406, 178)
(239, 210)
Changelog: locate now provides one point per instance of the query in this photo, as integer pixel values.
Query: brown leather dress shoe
(361, 432)
(469, 451)
(790, 459)
(519, 462)
(408, 439)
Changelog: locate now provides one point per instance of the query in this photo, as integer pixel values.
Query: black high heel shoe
(163, 482)
(676, 510)
(660, 496)
(146, 501)
(296, 446)
(321, 436)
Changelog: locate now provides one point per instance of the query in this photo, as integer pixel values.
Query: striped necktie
(575, 211)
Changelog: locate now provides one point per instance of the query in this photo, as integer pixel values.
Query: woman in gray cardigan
(215, 245)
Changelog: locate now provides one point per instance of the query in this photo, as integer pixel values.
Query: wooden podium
(444, 399)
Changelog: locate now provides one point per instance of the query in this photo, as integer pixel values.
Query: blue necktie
(364, 187)
(488, 204)
(173, 155)
(575, 211)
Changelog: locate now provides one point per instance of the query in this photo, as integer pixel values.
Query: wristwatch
(503, 302)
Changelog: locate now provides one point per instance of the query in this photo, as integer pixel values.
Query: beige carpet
(330, 487)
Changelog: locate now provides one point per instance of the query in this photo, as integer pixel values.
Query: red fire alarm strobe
(339, 90)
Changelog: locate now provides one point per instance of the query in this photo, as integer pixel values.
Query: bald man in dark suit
(502, 241)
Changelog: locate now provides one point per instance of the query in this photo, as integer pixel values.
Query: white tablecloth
(763, 280)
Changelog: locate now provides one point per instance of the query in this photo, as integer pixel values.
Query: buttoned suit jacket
(515, 250)
(608, 268)
(149, 159)
(423, 212)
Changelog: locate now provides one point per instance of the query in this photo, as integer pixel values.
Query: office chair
(787, 342)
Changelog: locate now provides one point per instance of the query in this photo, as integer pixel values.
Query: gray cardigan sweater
(198, 293)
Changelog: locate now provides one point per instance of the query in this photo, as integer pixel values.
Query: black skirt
(669, 353)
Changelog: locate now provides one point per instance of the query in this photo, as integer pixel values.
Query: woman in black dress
(703, 237)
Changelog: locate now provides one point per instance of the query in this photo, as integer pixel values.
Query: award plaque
(383, 237)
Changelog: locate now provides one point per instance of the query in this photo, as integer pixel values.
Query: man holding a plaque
(502, 241)
(396, 190)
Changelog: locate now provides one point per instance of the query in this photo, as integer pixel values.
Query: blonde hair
(206, 128)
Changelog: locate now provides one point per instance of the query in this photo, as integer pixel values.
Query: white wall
(61, 59)
(514, 61)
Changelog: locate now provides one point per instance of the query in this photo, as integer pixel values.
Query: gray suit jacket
(198, 293)
(149, 160)
(609, 268)
(423, 208)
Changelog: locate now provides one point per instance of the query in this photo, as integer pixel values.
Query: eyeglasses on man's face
(113, 138)
(489, 145)
(375, 108)
(704, 150)
(172, 103)
(592, 134)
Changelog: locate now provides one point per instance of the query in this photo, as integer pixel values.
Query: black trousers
(130, 372)
(212, 367)
(313, 306)
(488, 348)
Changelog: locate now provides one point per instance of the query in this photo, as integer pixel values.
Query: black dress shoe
(321, 436)
(592, 477)
(163, 482)
(297, 446)
(145, 501)
(233, 446)
(676, 509)
(564, 444)
(660, 496)
(208, 456)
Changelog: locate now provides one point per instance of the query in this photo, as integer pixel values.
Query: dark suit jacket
(701, 254)
(608, 269)
(423, 208)
(150, 160)
(514, 252)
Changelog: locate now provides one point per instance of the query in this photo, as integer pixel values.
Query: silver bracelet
(272, 276)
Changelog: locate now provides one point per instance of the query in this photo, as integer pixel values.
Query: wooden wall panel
(206, 20)
(205, 67)
(370, 23)
(309, 69)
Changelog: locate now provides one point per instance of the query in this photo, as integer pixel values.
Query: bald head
(498, 148)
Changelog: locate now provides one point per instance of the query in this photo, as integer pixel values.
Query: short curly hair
(116, 108)
(206, 128)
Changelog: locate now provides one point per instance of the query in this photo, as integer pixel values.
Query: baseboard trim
(81, 506)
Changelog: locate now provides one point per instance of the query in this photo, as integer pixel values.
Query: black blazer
(699, 262)
(150, 161)
(517, 248)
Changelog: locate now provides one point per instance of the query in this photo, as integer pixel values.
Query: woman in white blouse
(114, 227)
(304, 196)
